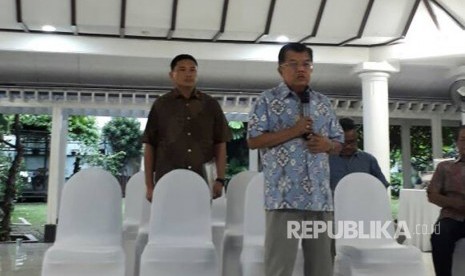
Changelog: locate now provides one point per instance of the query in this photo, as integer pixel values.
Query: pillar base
(50, 233)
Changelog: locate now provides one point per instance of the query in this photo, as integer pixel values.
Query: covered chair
(361, 198)
(89, 232)
(180, 238)
(233, 233)
(218, 221)
(253, 246)
(133, 203)
(142, 236)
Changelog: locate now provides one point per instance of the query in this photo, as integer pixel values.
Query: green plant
(124, 135)
(238, 154)
(80, 128)
(237, 129)
(84, 129)
(9, 190)
(111, 163)
(396, 184)
(234, 167)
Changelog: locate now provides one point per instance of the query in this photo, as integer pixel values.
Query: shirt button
(188, 134)
(189, 167)
(188, 118)
(187, 104)
(189, 150)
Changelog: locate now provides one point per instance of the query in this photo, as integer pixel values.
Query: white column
(253, 160)
(406, 155)
(463, 118)
(374, 77)
(56, 177)
(436, 136)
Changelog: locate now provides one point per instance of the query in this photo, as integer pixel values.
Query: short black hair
(180, 57)
(296, 47)
(347, 124)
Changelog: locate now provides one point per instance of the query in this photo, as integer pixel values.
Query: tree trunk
(10, 185)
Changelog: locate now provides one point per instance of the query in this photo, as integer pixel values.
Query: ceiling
(129, 43)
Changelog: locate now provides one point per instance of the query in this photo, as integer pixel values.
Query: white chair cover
(415, 209)
(142, 236)
(133, 203)
(233, 233)
(253, 246)
(458, 264)
(360, 197)
(218, 222)
(89, 232)
(180, 239)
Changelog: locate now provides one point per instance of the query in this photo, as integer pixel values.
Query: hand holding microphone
(304, 127)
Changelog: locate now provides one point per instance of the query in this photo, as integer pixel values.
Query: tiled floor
(24, 261)
(27, 261)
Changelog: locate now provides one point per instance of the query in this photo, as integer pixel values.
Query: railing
(137, 102)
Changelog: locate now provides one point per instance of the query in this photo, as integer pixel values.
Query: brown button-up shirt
(449, 180)
(184, 131)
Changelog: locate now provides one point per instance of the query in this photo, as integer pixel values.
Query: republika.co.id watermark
(356, 229)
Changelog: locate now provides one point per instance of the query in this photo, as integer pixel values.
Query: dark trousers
(443, 242)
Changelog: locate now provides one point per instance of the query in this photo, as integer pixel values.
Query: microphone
(304, 97)
(305, 100)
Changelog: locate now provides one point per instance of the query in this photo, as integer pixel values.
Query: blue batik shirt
(294, 177)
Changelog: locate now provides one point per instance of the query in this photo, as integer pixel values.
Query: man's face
(461, 142)
(184, 74)
(350, 143)
(296, 70)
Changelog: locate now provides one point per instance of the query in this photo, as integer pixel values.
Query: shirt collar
(284, 91)
(195, 94)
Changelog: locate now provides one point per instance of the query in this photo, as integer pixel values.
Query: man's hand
(304, 126)
(217, 189)
(318, 143)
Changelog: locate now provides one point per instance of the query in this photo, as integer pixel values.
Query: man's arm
(220, 163)
(149, 166)
(271, 139)
(435, 195)
(443, 201)
(317, 143)
(375, 170)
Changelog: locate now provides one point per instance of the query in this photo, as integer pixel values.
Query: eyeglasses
(295, 65)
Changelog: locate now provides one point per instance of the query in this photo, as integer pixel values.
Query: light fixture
(48, 28)
(461, 91)
(282, 38)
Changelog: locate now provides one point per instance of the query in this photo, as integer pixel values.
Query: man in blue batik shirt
(295, 129)
(351, 159)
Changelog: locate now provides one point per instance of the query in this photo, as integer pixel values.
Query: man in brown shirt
(447, 190)
(185, 129)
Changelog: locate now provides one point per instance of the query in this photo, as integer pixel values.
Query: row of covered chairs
(242, 241)
(173, 235)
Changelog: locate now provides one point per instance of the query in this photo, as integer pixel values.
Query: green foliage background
(80, 128)
(124, 135)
